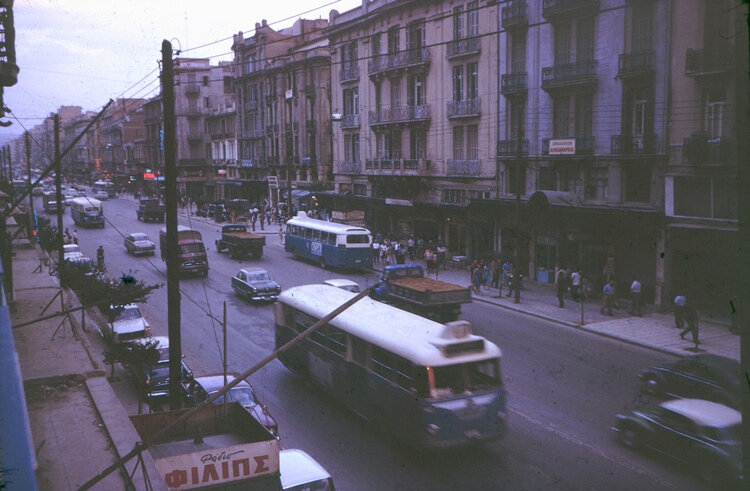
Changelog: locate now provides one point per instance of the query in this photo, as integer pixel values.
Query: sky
(84, 52)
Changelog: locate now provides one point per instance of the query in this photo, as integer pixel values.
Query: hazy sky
(84, 52)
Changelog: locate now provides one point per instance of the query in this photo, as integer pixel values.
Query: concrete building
(119, 127)
(221, 122)
(153, 163)
(283, 112)
(415, 84)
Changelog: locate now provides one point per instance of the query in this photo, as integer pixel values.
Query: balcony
(464, 47)
(515, 14)
(700, 149)
(396, 167)
(350, 73)
(222, 136)
(633, 144)
(350, 121)
(271, 129)
(510, 148)
(464, 109)
(401, 114)
(348, 168)
(513, 84)
(255, 133)
(568, 75)
(192, 89)
(582, 145)
(635, 65)
(394, 61)
(462, 168)
(557, 9)
(704, 63)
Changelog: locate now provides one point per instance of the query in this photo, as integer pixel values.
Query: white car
(128, 324)
(300, 471)
(344, 284)
(71, 251)
(101, 195)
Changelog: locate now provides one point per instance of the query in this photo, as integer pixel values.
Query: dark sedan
(702, 434)
(711, 377)
(153, 382)
(255, 284)
(139, 245)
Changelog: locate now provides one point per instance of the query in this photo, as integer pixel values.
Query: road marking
(567, 436)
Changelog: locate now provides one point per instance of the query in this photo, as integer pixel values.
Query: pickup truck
(150, 210)
(239, 242)
(405, 286)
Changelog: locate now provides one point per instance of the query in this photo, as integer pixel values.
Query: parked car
(199, 389)
(139, 244)
(126, 325)
(255, 284)
(344, 284)
(101, 195)
(711, 377)
(152, 382)
(71, 251)
(84, 265)
(703, 434)
(300, 472)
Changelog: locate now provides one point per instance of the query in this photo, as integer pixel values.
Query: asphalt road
(565, 386)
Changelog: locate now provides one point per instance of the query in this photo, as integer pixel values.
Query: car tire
(629, 436)
(652, 385)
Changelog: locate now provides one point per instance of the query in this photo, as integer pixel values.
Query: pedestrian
(401, 254)
(561, 287)
(691, 316)
(487, 276)
(507, 277)
(375, 251)
(410, 247)
(635, 297)
(575, 285)
(262, 220)
(495, 274)
(100, 259)
(66, 237)
(429, 259)
(608, 296)
(679, 310)
(75, 236)
(476, 279)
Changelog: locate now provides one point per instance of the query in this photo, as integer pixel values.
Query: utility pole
(29, 229)
(58, 191)
(170, 180)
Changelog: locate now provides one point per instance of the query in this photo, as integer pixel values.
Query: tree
(138, 357)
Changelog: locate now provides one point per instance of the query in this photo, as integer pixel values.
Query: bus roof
(85, 201)
(408, 335)
(302, 220)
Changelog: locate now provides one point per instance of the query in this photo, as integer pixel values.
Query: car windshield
(160, 373)
(243, 395)
(258, 276)
(129, 314)
(466, 377)
(137, 237)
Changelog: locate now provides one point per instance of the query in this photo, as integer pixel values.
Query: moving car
(255, 284)
(71, 251)
(711, 377)
(300, 472)
(138, 244)
(344, 284)
(101, 195)
(199, 389)
(126, 325)
(703, 434)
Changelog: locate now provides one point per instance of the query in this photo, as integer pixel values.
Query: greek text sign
(562, 147)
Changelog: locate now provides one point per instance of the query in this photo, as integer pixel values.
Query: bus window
(357, 239)
(316, 234)
(380, 362)
(483, 375)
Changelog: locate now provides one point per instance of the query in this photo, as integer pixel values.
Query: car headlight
(147, 330)
(433, 429)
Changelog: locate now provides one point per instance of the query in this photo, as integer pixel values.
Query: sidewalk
(654, 330)
(77, 423)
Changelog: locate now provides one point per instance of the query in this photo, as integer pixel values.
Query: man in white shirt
(575, 284)
(635, 296)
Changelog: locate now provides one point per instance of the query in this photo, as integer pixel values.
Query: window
(472, 82)
(641, 26)
(206, 102)
(395, 84)
(639, 117)
(205, 81)
(415, 85)
(562, 43)
(458, 23)
(417, 143)
(351, 101)
(472, 18)
(546, 179)
(415, 35)
(596, 183)
(714, 114)
(458, 83)
(375, 45)
(516, 121)
(705, 197)
(394, 45)
(570, 180)
(360, 189)
(561, 117)
(454, 196)
(351, 148)
(584, 114)
(518, 51)
(458, 143)
(585, 39)
(472, 142)
(637, 183)
(516, 180)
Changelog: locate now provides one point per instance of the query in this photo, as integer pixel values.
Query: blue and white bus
(429, 384)
(87, 212)
(328, 243)
(106, 186)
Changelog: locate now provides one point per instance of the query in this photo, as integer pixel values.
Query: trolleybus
(87, 212)
(106, 186)
(429, 384)
(328, 243)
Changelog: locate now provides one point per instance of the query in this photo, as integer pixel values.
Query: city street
(565, 386)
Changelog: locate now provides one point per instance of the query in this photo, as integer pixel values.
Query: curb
(527, 312)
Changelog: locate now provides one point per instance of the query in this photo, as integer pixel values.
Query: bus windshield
(466, 377)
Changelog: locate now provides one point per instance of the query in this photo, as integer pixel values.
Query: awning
(297, 193)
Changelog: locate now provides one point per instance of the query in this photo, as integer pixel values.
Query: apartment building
(118, 128)
(415, 94)
(153, 158)
(78, 164)
(707, 119)
(221, 122)
(283, 111)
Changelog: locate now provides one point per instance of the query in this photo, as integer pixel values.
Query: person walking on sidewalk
(680, 301)
(561, 287)
(691, 316)
(608, 296)
(100, 259)
(575, 285)
(635, 297)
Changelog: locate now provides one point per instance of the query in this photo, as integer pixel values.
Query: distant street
(564, 386)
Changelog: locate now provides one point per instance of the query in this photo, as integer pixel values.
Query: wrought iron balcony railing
(401, 114)
(511, 148)
(348, 168)
(402, 59)
(632, 144)
(700, 149)
(552, 9)
(513, 83)
(569, 75)
(706, 62)
(349, 73)
(635, 64)
(462, 168)
(350, 121)
(463, 109)
(515, 14)
(464, 47)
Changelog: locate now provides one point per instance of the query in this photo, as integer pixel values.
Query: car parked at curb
(138, 244)
(199, 389)
(703, 434)
(152, 381)
(255, 284)
(711, 377)
(126, 325)
(71, 251)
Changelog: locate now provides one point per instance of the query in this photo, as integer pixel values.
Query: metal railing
(348, 168)
(349, 72)
(400, 114)
(515, 14)
(701, 61)
(469, 107)
(402, 59)
(513, 83)
(700, 149)
(465, 46)
(632, 144)
(554, 8)
(635, 63)
(567, 74)
(510, 148)
(350, 121)
(462, 168)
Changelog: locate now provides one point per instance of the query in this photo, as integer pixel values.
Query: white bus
(87, 212)
(430, 384)
(328, 243)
